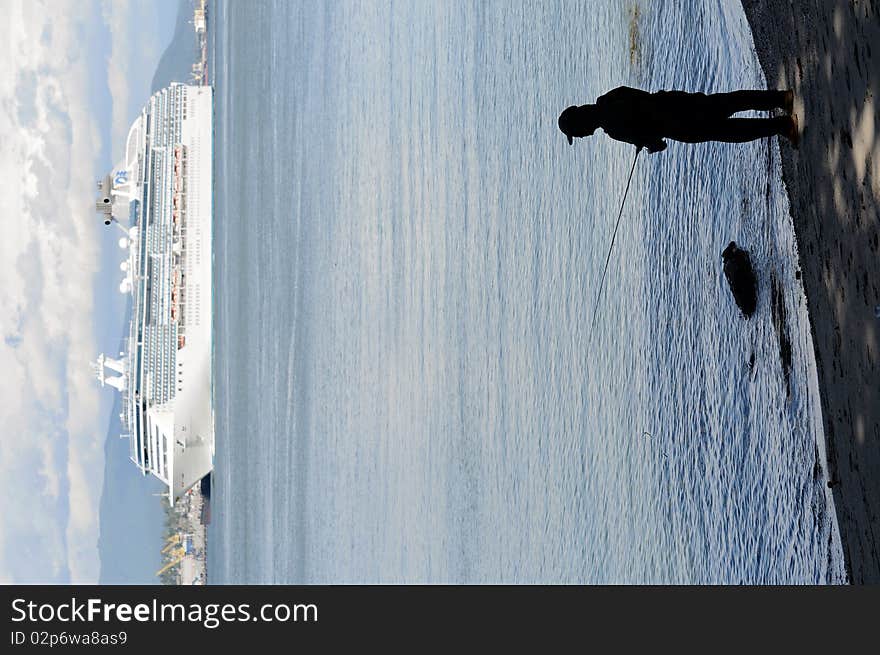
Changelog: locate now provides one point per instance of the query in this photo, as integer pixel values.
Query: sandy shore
(829, 52)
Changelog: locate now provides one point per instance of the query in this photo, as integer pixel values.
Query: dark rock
(741, 278)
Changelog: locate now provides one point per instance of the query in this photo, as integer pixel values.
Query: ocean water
(407, 255)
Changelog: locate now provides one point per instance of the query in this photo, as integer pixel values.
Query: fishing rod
(611, 247)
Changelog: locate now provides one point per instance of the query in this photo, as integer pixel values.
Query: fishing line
(613, 237)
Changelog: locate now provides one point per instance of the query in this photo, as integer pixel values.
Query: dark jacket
(645, 119)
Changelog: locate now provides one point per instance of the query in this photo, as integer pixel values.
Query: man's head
(578, 121)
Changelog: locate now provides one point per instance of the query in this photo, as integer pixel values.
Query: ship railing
(132, 444)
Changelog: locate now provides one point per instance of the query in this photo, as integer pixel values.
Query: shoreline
(826, 52)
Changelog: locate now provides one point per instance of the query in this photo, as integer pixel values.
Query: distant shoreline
(825, 54)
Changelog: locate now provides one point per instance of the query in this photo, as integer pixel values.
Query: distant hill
(178, 58)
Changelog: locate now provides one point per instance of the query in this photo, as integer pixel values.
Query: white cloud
(51, 443)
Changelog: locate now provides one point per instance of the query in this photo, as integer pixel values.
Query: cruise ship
(160, 197)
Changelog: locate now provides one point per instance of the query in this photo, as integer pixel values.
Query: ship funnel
(104, 202)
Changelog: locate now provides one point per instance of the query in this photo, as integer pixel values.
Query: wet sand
(829, 52)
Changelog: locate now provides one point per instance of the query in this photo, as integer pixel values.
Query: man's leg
(738, 130)
(727, 104)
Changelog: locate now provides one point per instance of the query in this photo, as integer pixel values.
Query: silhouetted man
(645, 119)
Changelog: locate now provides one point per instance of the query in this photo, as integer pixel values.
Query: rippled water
(407, 256)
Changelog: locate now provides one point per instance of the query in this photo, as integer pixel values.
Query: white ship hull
(192, 406)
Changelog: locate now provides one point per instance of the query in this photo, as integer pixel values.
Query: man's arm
(638, 138)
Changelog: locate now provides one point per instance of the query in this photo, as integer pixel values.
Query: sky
(73, 75)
